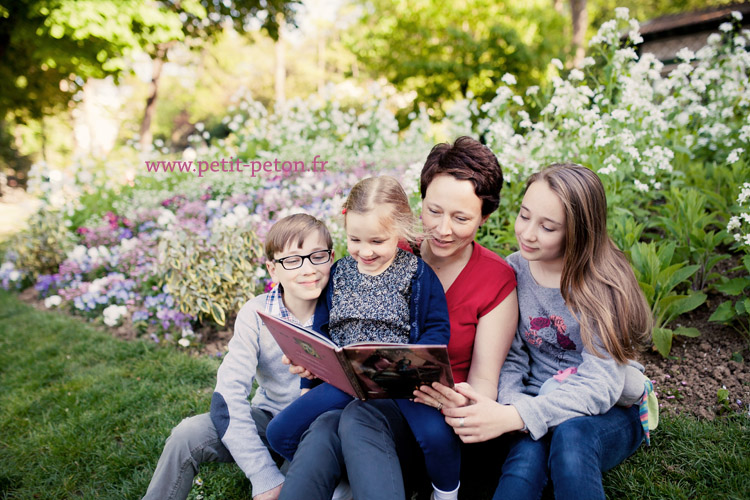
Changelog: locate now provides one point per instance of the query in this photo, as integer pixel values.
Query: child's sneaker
(343, 491)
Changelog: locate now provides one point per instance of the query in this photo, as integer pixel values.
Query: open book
(366, 370)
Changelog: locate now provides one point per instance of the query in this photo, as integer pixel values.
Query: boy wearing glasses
(299, 257)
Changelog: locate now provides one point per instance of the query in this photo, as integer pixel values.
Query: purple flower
(141, 315)
(46, 281)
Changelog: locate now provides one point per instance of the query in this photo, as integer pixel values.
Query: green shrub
(41, 247)
(624, 229)
(211, 278)
(659, 279)
(685, 220)
(736, 311)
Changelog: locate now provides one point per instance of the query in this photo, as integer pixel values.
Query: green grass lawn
(85, 415)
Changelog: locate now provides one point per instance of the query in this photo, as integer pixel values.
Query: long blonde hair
(597, 282)
(375, 192)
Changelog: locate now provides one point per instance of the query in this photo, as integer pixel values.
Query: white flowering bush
(341, 124)
(620, 116)
(739, 225)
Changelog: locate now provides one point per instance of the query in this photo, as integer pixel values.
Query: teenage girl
(380, 293)
(580, 306)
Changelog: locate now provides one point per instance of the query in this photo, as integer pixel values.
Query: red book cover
(368, 370)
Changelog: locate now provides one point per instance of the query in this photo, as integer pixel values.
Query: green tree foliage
(48, 48)
(447, 50)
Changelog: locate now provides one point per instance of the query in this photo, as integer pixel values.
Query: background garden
(167, 258)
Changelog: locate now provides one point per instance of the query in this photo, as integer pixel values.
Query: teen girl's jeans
(573, 456)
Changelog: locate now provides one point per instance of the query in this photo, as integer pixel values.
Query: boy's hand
(296, 369)
(272, 494)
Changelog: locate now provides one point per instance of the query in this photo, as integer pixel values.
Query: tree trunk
(321, 62)
(580, 23)
(280, 77)
(43, 134)
(147, 137)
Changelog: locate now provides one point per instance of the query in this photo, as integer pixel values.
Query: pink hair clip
(343, 211)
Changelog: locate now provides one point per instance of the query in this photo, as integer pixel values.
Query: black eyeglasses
(295, 261)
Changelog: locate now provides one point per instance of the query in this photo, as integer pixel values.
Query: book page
(395, 370)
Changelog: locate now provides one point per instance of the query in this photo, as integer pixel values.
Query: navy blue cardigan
(428, 310)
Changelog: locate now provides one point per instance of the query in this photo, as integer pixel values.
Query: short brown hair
(466, 160)
(374, 192)
(293, 228)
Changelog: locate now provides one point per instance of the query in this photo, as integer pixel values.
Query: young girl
(580, 306)
(380, 293)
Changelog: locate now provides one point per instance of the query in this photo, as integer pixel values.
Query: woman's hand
(439, 396)
(482, 418)
(296, 369)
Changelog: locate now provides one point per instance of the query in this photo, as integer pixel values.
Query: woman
(581, 311)
(460, 186)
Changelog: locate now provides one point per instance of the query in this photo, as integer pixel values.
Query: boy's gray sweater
(253, 355)
(548, 339)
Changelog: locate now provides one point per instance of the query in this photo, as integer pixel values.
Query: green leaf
(723, 313)
(686, 331)
(662, 339)
(648, 291)
(670, 277)
(712, 261)
(218, 314)
(734, 286)
(746, 262)
(665, 253)
(203, 305)
(685, 303)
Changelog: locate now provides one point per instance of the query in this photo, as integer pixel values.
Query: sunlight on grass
(15, 208)
(84, 414)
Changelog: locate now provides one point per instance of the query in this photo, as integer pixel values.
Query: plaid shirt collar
(275, 306)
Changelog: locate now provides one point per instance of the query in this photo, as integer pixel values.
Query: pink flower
(533, 339)
(559, 323)
(539, 323)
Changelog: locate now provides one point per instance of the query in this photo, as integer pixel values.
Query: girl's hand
(296, 369)
(483, 419)
(440, 396)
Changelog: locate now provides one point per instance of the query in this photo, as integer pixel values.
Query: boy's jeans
(194, 441)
